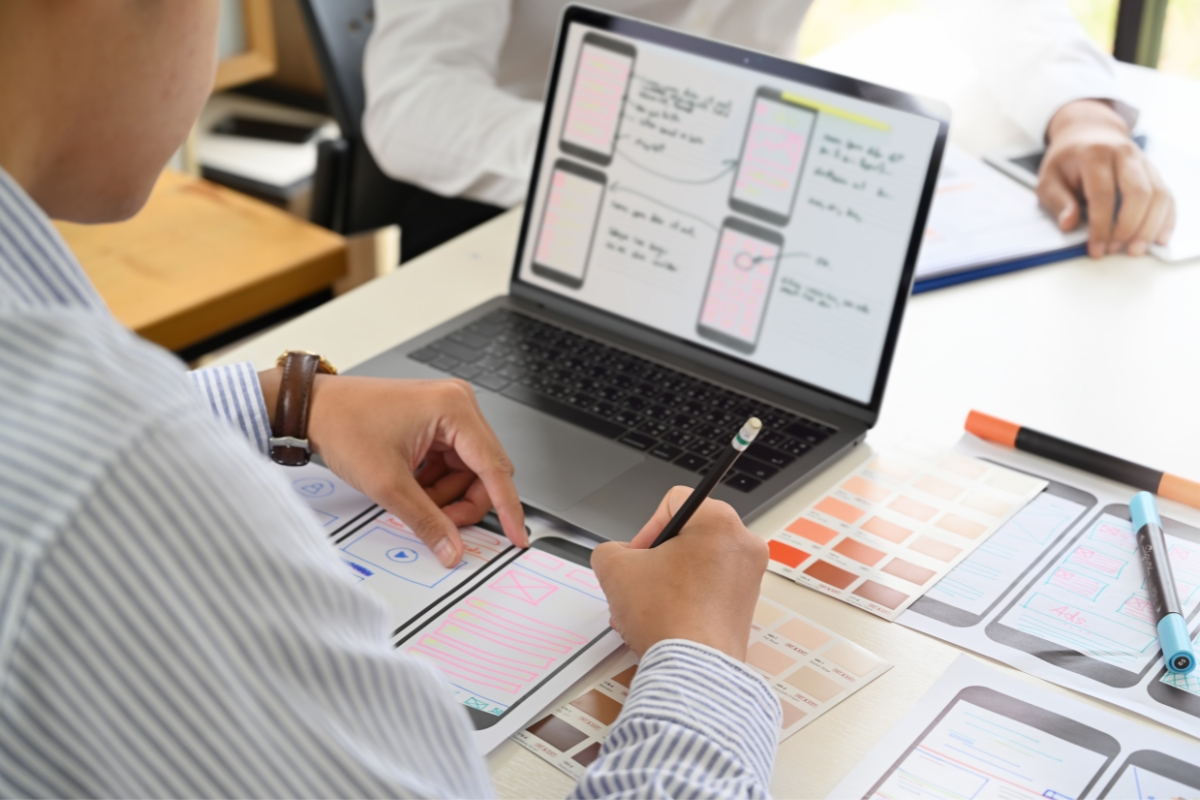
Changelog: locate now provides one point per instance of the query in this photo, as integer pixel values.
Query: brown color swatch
(857, 551)
(588, 754)
(625, 677)
(883, 595)
(557, 733)
(812, 531)
(828, 573)
(886, 530)
(908, 571)
(598, 706)
(814, 685)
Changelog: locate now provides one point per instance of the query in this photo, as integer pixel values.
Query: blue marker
(1160, 585)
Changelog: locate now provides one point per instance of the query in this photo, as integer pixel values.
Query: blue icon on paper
(312, 488)
(402, 555)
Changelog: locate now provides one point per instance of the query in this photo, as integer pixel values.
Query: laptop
(710, 233)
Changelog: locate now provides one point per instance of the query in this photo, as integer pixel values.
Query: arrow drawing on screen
(729, 165)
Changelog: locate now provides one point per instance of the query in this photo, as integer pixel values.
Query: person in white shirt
(454, 91)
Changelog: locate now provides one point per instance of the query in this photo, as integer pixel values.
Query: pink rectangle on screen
(737, 291)
(596, 97)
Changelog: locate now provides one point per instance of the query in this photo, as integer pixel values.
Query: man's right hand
(701, 586)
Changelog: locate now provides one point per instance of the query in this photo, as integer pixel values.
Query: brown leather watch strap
(289, 445)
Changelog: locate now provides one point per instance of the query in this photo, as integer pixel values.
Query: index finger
(672, 500)
(1099, 188)
(476, 444)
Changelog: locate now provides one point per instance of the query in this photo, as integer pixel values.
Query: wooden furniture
(200, 259)
(1045, 347)
(258, 59)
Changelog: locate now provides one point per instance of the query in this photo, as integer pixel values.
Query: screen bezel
(545, 270)
(1062, 656)
(578, 150)
(1046, 721)
(798, 390)
(554, 545)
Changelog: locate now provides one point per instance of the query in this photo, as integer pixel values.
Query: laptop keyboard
(644, 405)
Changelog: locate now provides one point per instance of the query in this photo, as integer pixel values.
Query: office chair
(351, 193)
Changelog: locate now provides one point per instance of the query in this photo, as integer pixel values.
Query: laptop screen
(699, 193)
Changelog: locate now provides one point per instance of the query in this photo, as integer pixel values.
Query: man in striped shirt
(171, 621)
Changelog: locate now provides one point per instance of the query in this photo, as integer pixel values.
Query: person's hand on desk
(421, 449)
(1090, 156)
(701, 586)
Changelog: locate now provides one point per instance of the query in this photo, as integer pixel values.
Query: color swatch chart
(897, 525)
(810, 668)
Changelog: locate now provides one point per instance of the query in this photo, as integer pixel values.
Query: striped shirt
(172, 622)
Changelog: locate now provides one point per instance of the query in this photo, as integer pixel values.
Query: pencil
(715, 474)
(1009, 434)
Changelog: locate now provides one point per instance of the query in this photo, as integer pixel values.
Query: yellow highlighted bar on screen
(825, 108)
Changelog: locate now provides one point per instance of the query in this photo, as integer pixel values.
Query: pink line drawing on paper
(457, 669)
(523, 586)
(1078, 584)
(585, 577)
(1138, 608)
(1100, 562)
(480, 543)
(514, 639)
(1117, 537)
(506, 615)
(443, 641)
(543, 560)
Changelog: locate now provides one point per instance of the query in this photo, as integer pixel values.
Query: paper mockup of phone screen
(501, 637)
(1087, 611)
(986, 744)
(597, 100)
(772, 158)
(1151, 774)
(564, 241)
(738, 288)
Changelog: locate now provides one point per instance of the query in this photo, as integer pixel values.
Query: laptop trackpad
(557, 464)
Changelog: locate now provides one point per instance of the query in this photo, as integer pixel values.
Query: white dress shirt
(454, 87)
(173, 623)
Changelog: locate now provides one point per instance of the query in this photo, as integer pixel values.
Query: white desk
(1048, 347)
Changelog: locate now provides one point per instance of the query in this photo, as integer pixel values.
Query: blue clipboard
(976, 273)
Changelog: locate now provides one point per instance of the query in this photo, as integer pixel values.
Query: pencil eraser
(1177, 649)
(1143, 509)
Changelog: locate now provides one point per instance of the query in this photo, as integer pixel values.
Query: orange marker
(1164, 484)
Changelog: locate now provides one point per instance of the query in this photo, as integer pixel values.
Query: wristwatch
(289, 444)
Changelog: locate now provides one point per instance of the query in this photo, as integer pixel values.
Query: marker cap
(1143, 510)
(1176, 644)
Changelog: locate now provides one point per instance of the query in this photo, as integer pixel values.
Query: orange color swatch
(857, 551)
(886, 530)
(786, 554)
(836, 508)
(814, 685)
(866, 489)
(828, 573)
(812, 531)
(912, 508)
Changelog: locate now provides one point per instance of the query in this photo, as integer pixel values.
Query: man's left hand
(1090, 156)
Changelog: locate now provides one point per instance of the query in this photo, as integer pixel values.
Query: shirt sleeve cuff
(235, 396)
(721, 699)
